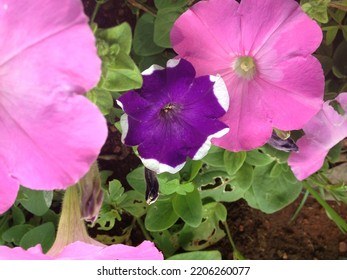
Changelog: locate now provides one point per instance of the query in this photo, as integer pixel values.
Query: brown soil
(312, 235)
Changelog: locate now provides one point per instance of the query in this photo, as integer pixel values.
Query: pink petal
(205, 36)
(277, 26)
(8, 189)
(342, 99)
(83, 251)
(322, 132)
(18, 253)
(250, 124)
(62, 31)
(52, 139)
(295, 97)
(50, 134)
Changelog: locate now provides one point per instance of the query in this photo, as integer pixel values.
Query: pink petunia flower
(322, 132)
(262, 49)
(50, 133)
(84, 251)
(73, 242)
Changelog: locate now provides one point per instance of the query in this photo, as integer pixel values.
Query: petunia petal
(292, 101)
(57, 138)
(342, 99)
(308, 159)
(277, 26)
(82, 251)
(8, 189)
(205, 37)
(322, 132)
(50, 133)
(249, 121)
(18, 253)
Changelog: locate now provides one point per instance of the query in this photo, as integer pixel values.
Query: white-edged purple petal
(173, 116)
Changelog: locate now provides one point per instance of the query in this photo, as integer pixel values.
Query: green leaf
(163, 24)
(199, 255)
(344, 31)
(107, 217)
(4, 225)
(190, 170)
(331, 32)
(317, 10)
(251, 199)
(208, 232)
(174, 186)
(119, 73)
(145, 62)
(17, 215)
(233, 161)
(188, 207)
(160, 215)
(101, 98)
(209, 175)
(43, 234)
(116, 192)
(162, 4)
(232, 189)
(166, 242)
(277, 155)
(134, 203)
(36, 202)
(243, 178)
(104, 174)
(276, 170)
(327, 63)
(258, 158)
(51, 216)
(215, 157)
(335, 152)
(274, 193)
(120, 35)
(144, 37)
(14, 234)
(136, 180)
(340, 60)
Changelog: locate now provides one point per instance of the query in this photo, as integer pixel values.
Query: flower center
(170, 110)
(245, 67)
(168, 107)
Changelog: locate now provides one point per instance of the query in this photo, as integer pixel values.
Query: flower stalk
(71, 226)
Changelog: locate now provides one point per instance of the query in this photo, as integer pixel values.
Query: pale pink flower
(50, 133)
(74, 243)
(262, 49)
(83, 251)
(322, 132)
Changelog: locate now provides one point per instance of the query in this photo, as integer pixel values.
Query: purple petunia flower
(174, 115)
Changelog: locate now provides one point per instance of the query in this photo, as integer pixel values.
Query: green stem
(143, 229)
(236, 253)
(96, 9)
(341, 223)
(300, 206)
(317, 181)
(143, 7)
